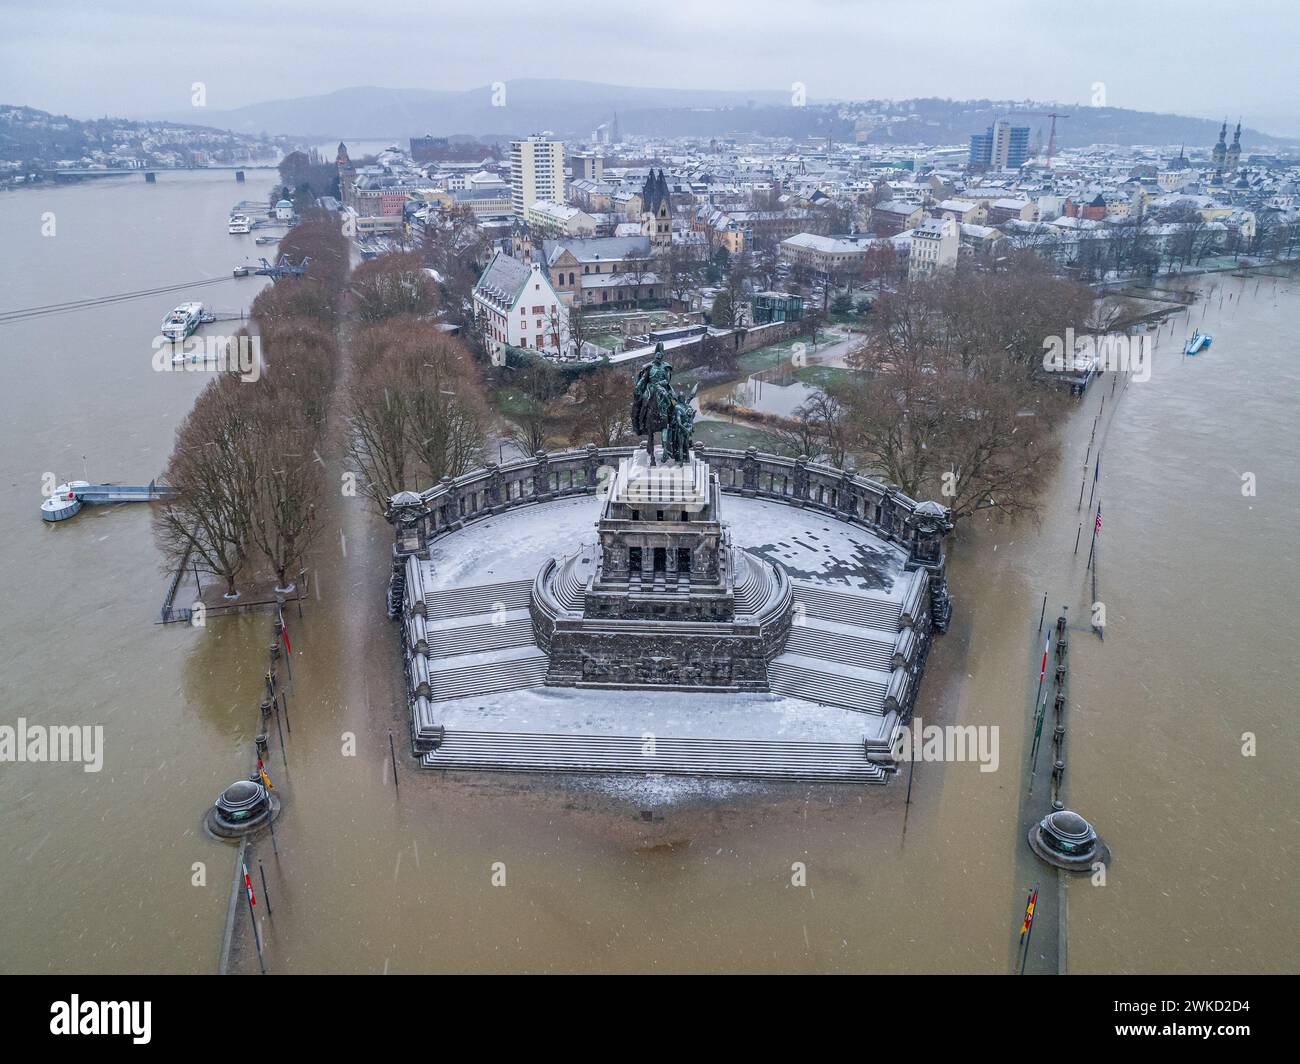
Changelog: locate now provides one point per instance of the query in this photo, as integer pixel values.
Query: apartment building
(536, 173)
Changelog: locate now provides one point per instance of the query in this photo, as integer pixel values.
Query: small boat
(267, 240)
(240, 223)
(1197, 343)
(182, 321)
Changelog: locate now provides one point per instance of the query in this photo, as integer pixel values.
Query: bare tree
(393, 285)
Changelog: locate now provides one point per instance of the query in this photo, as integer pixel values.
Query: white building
(557, 219)
(935, 244)
(517, 307)
(536, 172)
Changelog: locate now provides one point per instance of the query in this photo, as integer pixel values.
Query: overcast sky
(137, 58)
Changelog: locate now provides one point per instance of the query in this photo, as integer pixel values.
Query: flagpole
(257, 939)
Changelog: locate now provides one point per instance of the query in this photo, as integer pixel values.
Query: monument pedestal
(660, 608)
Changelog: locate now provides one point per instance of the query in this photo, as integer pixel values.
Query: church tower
(657, 211)
(1234, 152)
(347, 174)
(1219, 156)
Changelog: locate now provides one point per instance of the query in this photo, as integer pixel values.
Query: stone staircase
(809, 678)
(865, 610)
(611, 754)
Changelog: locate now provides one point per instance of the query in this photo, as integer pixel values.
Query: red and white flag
(284, 631)
(1043, 671)
(248, 886)
(1096, 531)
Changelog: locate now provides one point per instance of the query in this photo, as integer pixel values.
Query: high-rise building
(1001, 146)
(536, 173)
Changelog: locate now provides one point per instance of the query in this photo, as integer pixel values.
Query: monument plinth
(660, 606)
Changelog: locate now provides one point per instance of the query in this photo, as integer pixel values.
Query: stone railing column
(749, 471)
(448, 511)
(492, 488)
(591, 467)
(801, 482)
(541, 476)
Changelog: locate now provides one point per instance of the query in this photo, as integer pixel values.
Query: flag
(266, 780)
(1096, 531)
(1029, 913)
(284, 631)
(1043, 671)
(248, 886)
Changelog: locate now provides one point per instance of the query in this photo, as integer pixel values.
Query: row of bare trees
(947, 398)
(416, 405)
(246, 463)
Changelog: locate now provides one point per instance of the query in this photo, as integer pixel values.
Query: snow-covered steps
(476, 632)
(609, 754)
(844, 643)
(470, 674)
(835, 684)
(864, 609)
(464, 601)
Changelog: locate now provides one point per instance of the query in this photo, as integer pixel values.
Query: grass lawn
(775, 354)
(822, 376)
(725, 434)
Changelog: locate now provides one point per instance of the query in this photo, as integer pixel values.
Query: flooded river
(99, 869)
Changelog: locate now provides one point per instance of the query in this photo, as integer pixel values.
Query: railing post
(541, 475)
(749, 471)
(801, 479)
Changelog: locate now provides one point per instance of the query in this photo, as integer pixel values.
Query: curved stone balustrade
(453, 502)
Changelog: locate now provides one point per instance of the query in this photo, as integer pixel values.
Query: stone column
(541, 476)
(493, 487)
(447, 508)
(801, 479)
(749, 471)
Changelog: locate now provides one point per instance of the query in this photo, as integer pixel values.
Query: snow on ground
(810, 546)
(679, 714)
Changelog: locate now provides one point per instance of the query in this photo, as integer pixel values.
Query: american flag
(1097, 529)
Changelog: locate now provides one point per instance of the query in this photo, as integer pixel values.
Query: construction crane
(1051, 140)
(1053, 116)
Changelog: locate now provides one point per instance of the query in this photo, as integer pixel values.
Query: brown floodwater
(629, 874)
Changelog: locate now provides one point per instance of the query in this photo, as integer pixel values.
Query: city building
(657, 208)
(586, 166)
(603, 270)
(536, 173)
(1001, 146)
(935, 244)
(517, 307)
(776, 306)
(558, 219)
(826, 255)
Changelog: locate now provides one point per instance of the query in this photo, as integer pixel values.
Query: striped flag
(1043, 671)
(1029, 913)
(284, 631)
(261, 771)
(1096, 531)
(248, 886)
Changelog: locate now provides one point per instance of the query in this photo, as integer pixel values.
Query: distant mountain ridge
(525, 105)
(572, 109)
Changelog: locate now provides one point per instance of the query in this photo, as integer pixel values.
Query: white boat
(240, 223)
(182, 321)
(1197, 342)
